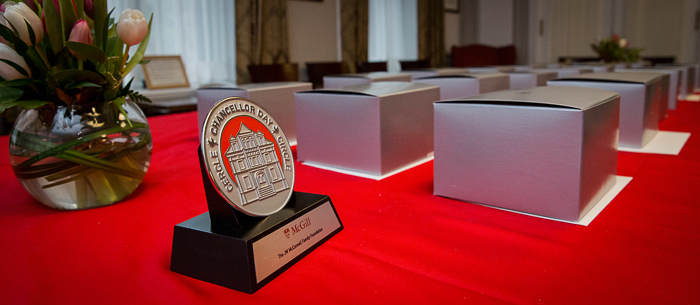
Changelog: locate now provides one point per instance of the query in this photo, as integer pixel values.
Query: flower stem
(52, 151)
(43, 56)
(124, 58)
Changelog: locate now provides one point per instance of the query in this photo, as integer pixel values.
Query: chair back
(288, 72)
(317, 70)
(366, 66)
(416, 64)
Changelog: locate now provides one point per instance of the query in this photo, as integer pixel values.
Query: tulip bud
(80, 33)
(132, 27)
(19, 14)
(89, 8)
(8, 72)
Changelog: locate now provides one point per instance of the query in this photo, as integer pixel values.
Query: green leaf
(16, 82)
(26, 104)
(138, 55)
(16, 67)
(119, 103)
(32, 36)
(88, 51)
(100, 7)
(53, 27)
(31, 104)
(6, 32)
(65, 76)
(138, 97)
(68, 17)
(67, 145)
(80, 7)
(9, 94)
(4, 106)
(82, 85)
(35, 63)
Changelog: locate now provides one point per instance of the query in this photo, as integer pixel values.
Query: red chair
(274, 73)
(506, 55)
(366, 66)
(477, 55)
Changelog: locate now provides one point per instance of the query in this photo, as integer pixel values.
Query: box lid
(468, 75)
(371, 75)
(439, 71)
(559, 97)
(658, 70)
(535, 72)
(615, 77)
(378, 89)
(253, 87)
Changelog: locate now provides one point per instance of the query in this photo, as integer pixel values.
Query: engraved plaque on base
(257, 225)
(247, 257)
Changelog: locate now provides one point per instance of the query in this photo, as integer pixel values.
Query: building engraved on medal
(255, 166)
(248, 157)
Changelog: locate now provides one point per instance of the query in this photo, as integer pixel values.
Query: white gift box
(640, 99)
(342, 80)
(454, 86)
(372, 129)
(674, 81)
(689, 76)
(549, 151)
(567, 71)
(486, 69)
(514, 68)
(524, 80)
(597, 68)
(420, 73)
(276, 98)
(547, 66)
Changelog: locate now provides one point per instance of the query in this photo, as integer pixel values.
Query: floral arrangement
(71, 54)
(616, 49)
(49, 56)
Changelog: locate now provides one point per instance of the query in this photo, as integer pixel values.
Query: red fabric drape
(400, 245)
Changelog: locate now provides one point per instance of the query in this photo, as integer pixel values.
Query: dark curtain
(354, 26)
(431, 31)
(261, 35)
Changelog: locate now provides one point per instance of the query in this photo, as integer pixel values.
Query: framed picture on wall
(164, 72)
(452, 6)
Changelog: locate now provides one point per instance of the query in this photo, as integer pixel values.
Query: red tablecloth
(401, 244)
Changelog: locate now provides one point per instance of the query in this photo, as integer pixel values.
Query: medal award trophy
(257, 226)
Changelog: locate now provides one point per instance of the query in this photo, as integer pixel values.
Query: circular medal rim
(206, 164)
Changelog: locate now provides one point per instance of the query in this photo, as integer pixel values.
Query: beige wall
(313, 32)
(495, 22)
(452, 31)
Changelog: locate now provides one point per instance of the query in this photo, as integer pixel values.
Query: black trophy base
(248, 256)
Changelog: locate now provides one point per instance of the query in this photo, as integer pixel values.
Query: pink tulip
(89, 7)
(2, 7)
(80, 33)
